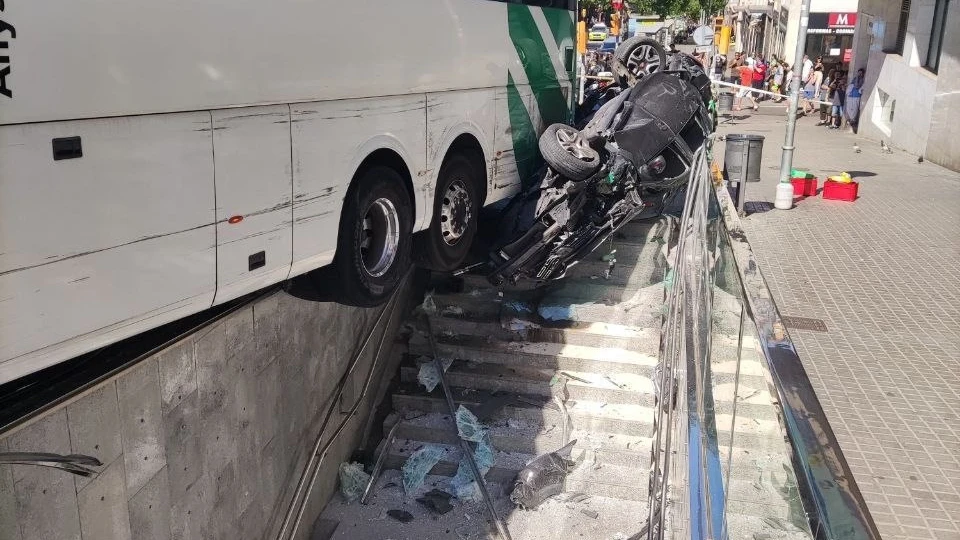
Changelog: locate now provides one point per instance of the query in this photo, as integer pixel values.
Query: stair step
(620, 387)
(587, 289)
(614, 418)
(532, 438)
(539, 355)
(646, 340)
(595, 479)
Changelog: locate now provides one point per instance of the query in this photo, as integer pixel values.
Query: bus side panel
(330, 141)
(449, 115)
(515, 141)
(254, 193)
(118, 57)
(103, 245)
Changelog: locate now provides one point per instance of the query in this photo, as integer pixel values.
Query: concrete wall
(202, 440)
(912, 88)
(943, 142)
(926, 103)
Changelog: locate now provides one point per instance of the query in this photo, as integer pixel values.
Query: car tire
(456, 213)
(568, 153)
(641, 56)
(374, 245)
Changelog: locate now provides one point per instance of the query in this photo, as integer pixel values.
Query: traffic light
(582, 37)
(615, 25)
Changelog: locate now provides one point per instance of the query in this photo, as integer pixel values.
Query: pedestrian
(811, 90)
(837, 100)
(777, 82)
(734, 66)
(759, 75)
(719, 65)
(746, 83)
(806, 69)
(852, 102)
(826, 93)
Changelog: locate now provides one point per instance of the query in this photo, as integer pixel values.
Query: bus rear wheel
(456, 210)
(373, 250)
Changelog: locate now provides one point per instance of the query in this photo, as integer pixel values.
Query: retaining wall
(206, 438)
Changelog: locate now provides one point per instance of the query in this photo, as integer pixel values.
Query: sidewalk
(883, 273)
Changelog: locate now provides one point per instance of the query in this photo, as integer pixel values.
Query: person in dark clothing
(838, 91)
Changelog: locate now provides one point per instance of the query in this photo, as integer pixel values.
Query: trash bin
(725, 103)
(741, 163)
(741, 159)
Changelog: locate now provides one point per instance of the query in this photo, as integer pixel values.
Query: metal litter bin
(741, 162)
(725, 103)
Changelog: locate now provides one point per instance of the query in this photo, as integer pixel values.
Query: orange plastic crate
(838, 191)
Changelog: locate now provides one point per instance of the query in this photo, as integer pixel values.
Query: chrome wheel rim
(456, 211)
(380, 237)
(575, 145)
(643, 60)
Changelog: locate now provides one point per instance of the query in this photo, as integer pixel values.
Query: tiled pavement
(884, 274)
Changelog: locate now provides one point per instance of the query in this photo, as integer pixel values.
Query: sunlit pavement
(883, 273)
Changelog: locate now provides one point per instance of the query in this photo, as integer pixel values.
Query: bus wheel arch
(374, 239)
(459, 195)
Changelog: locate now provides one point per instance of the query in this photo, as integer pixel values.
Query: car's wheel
(373, 250)
(567, 152)
(641, 56)
(456, 212)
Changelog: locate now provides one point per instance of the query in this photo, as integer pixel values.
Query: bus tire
(373, 249)
(456, 212)
(568, 153)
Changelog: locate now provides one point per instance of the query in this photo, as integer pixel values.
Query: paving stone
(883, 273)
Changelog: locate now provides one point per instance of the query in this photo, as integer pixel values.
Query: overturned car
(636, 150)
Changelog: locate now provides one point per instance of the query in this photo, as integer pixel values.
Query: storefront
(830, 35)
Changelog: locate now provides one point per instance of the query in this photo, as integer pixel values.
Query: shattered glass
(463, 485)
(428, 376)
(353, 481)
(428, 306)
(418, 465)
(469, 427)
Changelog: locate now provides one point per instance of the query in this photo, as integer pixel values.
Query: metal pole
(786, 159)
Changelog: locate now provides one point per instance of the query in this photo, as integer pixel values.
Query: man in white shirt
(807, 66)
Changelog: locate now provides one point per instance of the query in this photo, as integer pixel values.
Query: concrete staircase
(587, 345)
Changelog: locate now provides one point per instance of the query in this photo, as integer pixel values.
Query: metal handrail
(834, 505)
(686, 360)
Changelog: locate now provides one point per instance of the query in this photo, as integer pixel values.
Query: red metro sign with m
(842, 20)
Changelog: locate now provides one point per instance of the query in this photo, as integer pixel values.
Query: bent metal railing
(717, 472)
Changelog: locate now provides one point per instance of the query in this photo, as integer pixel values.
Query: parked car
(598, 32)
(609, 45)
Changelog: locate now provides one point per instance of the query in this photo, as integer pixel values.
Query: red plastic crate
(839, 191)
(804, 187)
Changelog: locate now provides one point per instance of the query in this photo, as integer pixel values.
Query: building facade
(910, 51)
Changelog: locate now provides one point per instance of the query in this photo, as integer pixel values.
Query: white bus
(161, 157)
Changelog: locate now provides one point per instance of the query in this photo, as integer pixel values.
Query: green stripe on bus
(537, 64)
(525, 150)
(561, 25)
